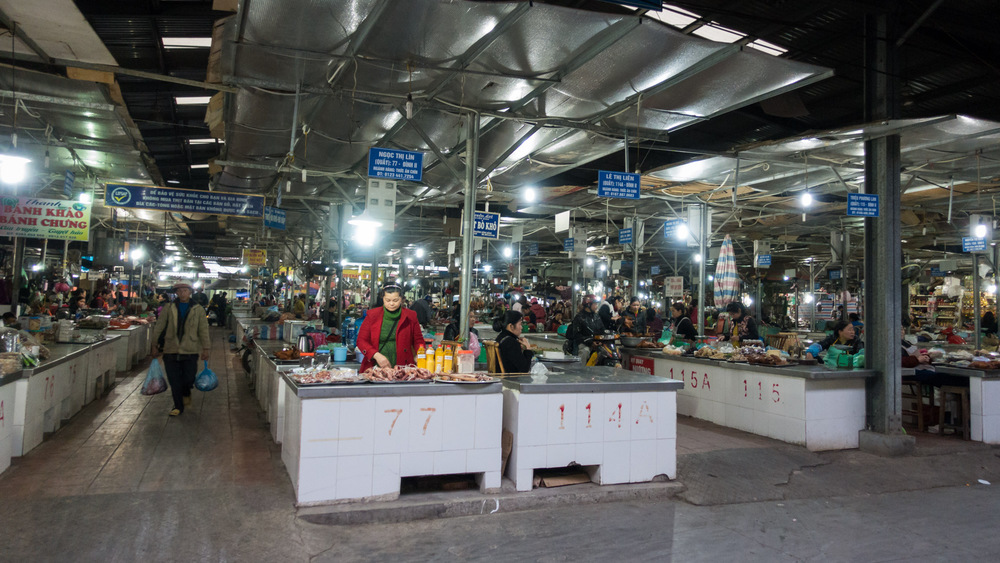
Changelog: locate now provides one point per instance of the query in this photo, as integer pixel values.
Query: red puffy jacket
(408, 337)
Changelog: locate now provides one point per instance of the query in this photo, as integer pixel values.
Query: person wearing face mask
(390, 334)
(843, 335)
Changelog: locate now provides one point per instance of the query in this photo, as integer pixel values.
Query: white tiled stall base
(984, 407)
(632, 437)
(7, 393)
(821, 414)
(357, 448)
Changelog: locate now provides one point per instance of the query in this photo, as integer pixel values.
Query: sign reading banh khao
(183, 201)
(58, 219)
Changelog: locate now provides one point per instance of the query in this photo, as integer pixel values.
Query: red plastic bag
(956, 339)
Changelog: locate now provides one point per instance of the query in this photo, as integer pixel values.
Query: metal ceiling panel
(313, 25)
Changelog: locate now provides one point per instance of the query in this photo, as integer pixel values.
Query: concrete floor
(123, 482)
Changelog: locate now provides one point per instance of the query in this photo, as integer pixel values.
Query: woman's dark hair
(512, 318)
(737, 307)
(650, 314)
(392, 289)
(853, 317)
(839, 326)
(679, 306)
(906, 322)
(633, 300)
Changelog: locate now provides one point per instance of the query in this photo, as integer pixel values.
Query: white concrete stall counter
(354, 442)
(815, 406)
(7, 398)
(620, 425)
(48, 394)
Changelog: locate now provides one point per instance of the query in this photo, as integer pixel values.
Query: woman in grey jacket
(181, 335)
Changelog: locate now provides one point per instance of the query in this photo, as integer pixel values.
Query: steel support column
(703, 250)
(472, 158)
(883, 252)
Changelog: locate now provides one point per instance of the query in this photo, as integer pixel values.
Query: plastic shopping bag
(206, 380)
(155, 383)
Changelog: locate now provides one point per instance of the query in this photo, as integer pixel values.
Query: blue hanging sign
(620, 185)
(568, 245)
(670, 227)
(835, 274)
(937, 273)
(486, 225)
(395, 164)
(533, 249)
(183, 201)
(763, 260)
(68, 184)
(862, 205)
(274, 217)
(625, 236)
(972, 244)
(654, 270)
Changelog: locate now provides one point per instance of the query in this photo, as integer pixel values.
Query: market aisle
(123, 479)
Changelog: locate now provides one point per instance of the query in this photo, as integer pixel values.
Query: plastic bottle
(439, 360)
(449, 360)
(421, 357)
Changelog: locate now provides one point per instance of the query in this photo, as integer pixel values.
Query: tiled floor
(125, 442)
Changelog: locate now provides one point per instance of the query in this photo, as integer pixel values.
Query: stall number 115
(748, 391)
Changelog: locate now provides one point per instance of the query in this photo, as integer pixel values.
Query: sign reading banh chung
(183, 201)
(31, 217)
(395, 164)
(274, 218)
(621, 185)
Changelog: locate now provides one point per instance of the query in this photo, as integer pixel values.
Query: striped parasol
(727, 282)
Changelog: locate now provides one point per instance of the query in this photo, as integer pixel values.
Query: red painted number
(744, 387)
(644, 412)
(705, 383)
(617, 416)
(1, 414)
(562, 417)
(774, 391)
(431, 412)
(393, 425)
(760, 391)
(694, 380)
(588, 415)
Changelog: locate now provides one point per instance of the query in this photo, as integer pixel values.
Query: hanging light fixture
(13, 165)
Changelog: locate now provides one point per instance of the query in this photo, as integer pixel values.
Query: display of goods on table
(398, 373)
(95, 322)
(464, 378)
(315, 376)
(288, 354)
(113, 324)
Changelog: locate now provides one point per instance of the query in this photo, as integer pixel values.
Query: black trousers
(182, 369)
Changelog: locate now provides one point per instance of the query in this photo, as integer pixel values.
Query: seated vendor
(634, 319)
(744, 326)
(681, 326)
(843, 335)
(512, 347)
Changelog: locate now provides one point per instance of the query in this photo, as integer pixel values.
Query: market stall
(816, 406)
(356, 441)
(621, 426)
(8, 394)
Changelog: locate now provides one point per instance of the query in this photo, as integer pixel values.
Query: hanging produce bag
(206, 380)
(155, 383)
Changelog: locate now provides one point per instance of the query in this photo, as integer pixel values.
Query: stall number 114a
(761, 391)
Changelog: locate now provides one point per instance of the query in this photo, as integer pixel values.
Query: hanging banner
(395, 164)
(274, 218)
(673, 286)
(255, 257)
(972, 244)
(486, 225)
(45, 218)
(862, 205)
(533, 249)
(568, 245)
(670, 227)
(762, 260)
(625, 236)
(619, 185)
(68, 184)
(654, 270)
(183, 201)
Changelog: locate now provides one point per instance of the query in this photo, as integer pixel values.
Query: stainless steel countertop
(595, 379)
(349, 390)
(818, 371)
(968, 372)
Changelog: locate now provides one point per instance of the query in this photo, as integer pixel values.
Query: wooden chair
(916, 393)
(494, 364)
(959, 421)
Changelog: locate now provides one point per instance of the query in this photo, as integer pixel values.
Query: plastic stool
(961, 423)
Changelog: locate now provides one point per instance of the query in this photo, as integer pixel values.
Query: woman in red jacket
(391, 333)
